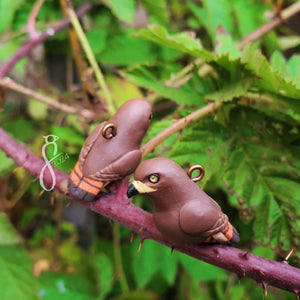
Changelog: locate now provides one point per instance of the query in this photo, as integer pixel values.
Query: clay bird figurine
(111, 151)
(182, 212)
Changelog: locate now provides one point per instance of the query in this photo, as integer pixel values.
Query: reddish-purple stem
(31, 43)
(118, 208)
(32, 32)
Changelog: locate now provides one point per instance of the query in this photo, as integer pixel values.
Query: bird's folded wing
(120, 167)
(89, 143)
(202, 217)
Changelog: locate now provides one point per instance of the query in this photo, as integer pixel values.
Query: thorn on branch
(172, 250)
(265, 288)
(288, 256)
(68, 204)
(243, 273)
(274, 273)
(140, 245)
(131, 237)
(216, 251)
(244, 255)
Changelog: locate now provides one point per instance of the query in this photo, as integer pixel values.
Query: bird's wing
(202, 218)
(89, 143)
(120, 167)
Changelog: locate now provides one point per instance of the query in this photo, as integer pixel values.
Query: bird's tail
(231, 234)
(81, 187)
(228, 234)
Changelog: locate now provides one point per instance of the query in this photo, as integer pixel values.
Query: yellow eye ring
(153, 178)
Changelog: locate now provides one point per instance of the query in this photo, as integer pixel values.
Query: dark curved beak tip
(131, 191)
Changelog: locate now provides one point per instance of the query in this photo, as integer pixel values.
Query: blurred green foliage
(250, 147)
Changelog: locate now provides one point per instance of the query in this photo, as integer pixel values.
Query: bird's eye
(153, 178)
(150, 116)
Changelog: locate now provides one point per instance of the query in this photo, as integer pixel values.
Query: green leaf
(122, 9)
(97, 39)
(205, 143)
(278, 62)
(17, 280)
(9, 47)
(6, 164)
(227, 46)
(265, 177)
(152, 258)
(165, 147)
(106, 274)
(121, 90)
(137, 295)
(67, 135)
(156, 9)
(125, 50)
(37, 109)
(212, 15)
(7, 11)
(199, 269)
(232, 90)
(234, 79)
(64, 286)
(288, 42)
(73, 255)
(142, 75)
(180, 41)
(21, 129)
(269, 80)
(8, 235)
(249, 15)
(293, 69)
(257, 164)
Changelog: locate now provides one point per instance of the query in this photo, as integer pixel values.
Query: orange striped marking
(228, 231)
(87, 184)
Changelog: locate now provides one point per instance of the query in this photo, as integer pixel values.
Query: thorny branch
(118, 208)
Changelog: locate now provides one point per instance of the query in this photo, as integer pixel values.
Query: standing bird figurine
(111, 151)
(182, 212)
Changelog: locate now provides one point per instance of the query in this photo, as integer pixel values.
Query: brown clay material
(111, 151)
(182, 212)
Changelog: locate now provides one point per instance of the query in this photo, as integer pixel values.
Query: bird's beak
(137, 187)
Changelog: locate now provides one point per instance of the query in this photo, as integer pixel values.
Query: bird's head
(157, 177)
(133, 119)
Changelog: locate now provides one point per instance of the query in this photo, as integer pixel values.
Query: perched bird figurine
(182, 212)
(111, 151)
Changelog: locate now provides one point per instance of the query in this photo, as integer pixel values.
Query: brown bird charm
(111, 151)
(182, 212)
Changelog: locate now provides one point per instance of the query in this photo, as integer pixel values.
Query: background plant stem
(32, 42)
(118, 258)
(178, 125)
(91, 58)
(10, 84)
